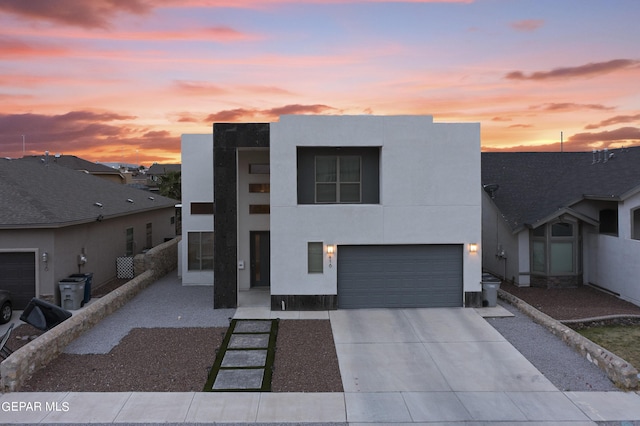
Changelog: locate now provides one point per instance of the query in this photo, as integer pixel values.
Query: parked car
(6, 308)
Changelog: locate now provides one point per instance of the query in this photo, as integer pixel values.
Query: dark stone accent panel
(227, 138)
(370, 171)
(473, 299)
(298, 302)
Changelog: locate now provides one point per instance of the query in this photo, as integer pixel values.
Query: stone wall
(619, 371)
(23, 363)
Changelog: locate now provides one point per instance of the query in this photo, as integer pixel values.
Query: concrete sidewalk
(398, 366)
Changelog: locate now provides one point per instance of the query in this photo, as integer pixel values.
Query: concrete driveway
(447, 364)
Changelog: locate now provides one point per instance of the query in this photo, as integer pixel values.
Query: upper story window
(338, 179)
(338, 175)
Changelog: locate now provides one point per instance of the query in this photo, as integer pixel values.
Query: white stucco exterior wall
(612, 262)
(197, 186)
(429, 194)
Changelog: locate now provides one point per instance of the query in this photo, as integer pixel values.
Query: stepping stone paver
(245, 359)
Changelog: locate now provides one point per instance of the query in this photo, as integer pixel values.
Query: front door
(260, 259)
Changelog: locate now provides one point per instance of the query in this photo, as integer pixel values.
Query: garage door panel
(399, 276)
(18, 275)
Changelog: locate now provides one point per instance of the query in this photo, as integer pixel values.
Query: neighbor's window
(200, 251)
(129, 243)
(635, 224)
(149, 235)
(314, 257)
(554, 249)
(338, 179)
(609, 222)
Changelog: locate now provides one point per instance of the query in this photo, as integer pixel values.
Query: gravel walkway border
(164, 304)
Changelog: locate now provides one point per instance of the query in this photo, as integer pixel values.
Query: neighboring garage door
(399, 276)
(18, 275)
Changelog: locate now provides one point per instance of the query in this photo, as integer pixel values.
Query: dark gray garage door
(399, 276)
(18, 275)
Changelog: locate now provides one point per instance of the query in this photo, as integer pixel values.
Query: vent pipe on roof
(605, 155)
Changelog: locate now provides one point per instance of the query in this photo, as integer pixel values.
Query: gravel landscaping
(173, 347)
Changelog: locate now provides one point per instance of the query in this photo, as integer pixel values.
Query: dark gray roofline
(59, 225)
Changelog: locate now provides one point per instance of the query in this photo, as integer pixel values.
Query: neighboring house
(338, 211)
(76, 163)
(196, 248)
(557, 219)
(53, 217)
(155, 173)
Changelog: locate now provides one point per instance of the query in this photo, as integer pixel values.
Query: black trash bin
(43, 315)
(88, 277)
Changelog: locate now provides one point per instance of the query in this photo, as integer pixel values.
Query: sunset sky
(121, 80)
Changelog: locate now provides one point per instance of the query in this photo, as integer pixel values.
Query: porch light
(330, 251)
(473, 248)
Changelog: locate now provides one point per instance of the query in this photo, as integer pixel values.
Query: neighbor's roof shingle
(534, 185)
(75, 163)
(35, 194)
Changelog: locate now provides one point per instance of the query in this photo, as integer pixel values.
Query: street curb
(620, 372)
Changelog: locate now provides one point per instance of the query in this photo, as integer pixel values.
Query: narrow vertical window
(129, 243)
(149, 235)
(314, 257)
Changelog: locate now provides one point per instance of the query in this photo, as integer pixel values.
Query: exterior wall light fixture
(473, 248)
(330, 251)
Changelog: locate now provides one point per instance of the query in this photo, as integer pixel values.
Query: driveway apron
(436, 364)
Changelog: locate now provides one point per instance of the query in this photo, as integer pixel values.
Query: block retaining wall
(619, 371)
(23, 363)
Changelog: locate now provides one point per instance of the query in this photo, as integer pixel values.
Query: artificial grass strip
(268, 367)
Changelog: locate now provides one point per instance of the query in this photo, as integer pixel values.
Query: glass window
(609, 221)
(129, 242)
(338, 179)
(261, 188)
(538, 257)
(539, 231)
(315, 258)
(202, 208)
(259, 208)
(561, 257)
(200, 251)
(561, 229)
(635, 224)
(149, 235)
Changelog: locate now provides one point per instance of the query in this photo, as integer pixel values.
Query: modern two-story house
(338, 212)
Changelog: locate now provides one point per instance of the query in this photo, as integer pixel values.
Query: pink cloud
(628, 135)
(527, 25)
(198, 88)
(570, 106)
(243, 114)
(614, 120)
(16, 48)
(588, 70)
(82, 13)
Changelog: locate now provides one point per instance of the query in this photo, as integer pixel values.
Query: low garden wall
(619, 371)
(23, 363)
